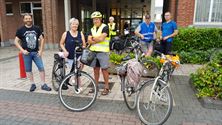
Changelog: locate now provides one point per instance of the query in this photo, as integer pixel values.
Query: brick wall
(53, 20)
(185, 13)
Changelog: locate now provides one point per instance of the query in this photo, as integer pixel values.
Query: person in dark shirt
(29, 37)
(99, 41)
(69, 41)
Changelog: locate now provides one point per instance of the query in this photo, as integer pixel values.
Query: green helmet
(96, 14)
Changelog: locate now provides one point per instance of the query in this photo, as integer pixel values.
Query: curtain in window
(202, 10)
(217, 11)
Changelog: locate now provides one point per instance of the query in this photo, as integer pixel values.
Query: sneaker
(33, 87)
(46, 88)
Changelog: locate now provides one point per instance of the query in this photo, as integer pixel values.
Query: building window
(208, 11)
(216, 11)
(25, 8)
(8, 6)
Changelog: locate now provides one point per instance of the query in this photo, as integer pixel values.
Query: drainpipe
(176, 10)
(67, 11)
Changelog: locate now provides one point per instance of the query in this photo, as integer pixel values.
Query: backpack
(134, 72)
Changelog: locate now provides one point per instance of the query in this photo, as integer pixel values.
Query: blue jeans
(37, 60)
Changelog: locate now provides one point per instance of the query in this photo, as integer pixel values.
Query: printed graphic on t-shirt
(30, 37)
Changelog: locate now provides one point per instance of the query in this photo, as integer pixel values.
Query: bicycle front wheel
(154, 104)
(74, 91)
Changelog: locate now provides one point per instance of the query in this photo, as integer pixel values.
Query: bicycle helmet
(96, 14)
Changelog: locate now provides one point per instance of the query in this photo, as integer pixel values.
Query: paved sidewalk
(25, 108)
(44, 108)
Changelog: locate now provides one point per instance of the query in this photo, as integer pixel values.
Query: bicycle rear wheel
(154, 106)
(77, 97)
(129, 95)
(58, 73)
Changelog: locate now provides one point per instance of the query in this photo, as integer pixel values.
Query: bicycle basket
(87, 56)
(175, 60)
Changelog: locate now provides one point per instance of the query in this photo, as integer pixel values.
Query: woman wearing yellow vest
(112, 27)
(99, 41)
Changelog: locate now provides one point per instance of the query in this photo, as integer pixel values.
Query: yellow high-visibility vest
(102, 46)
(111, 28)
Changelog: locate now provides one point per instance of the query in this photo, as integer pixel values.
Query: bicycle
(121, 44)
(155, 96)
(77, 97)
(58, 71)
(130, 93)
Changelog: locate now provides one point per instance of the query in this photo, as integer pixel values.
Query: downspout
(176, 10)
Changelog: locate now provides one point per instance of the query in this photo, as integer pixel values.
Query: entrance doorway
(129, 12)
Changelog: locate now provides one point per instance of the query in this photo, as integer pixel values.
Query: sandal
(105, 91)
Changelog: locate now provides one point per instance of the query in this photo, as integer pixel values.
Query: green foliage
(208, 80)
(116, 58)
(204, 39)
(194, 56)
(195, 45)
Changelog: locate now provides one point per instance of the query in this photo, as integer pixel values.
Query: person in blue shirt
(169, 30)
(147, 32)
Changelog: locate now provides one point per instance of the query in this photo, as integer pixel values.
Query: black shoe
(46, 88)
(33, 87)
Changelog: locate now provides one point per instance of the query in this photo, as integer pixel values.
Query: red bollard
(22, 66)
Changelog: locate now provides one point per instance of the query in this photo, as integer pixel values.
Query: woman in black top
(69, 39)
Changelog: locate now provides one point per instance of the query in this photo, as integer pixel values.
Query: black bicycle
(58, 71)
(77, 96)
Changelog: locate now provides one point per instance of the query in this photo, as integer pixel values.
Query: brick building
(52, 15)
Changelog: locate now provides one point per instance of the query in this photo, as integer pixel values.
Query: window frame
(9, 14)
(209, 22)
(20, 9)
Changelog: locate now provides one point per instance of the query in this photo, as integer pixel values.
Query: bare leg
(96, 74)
(149, 52)
(106, 77)
(42, 77)
(30, 76)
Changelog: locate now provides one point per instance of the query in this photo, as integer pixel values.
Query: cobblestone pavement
(25, 108)
(18, 106)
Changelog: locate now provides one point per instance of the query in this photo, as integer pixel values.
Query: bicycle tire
(78, 100)
(129, 96)
(57, 75)
(145, 110)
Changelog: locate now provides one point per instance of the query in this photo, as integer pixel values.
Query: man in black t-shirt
(29, 37)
